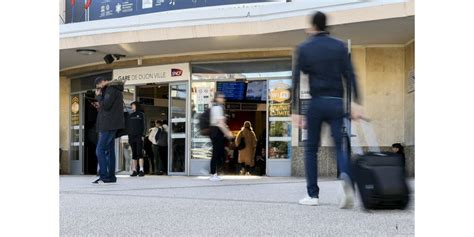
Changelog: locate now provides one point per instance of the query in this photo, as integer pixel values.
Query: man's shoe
(98, 181)
(309, 201)
(134, 174)
(347, 199)
(215, 178)
(109, 182)
(141, 173)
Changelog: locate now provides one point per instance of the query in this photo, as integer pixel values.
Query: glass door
(279, 127)
(177, 158)
(202, 94)
(76, 145)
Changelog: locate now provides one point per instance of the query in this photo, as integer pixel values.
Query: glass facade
(266, 95)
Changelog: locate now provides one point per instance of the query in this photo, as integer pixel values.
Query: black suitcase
(380, 179)
(379, 176)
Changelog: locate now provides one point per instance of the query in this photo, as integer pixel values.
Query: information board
(233, 91)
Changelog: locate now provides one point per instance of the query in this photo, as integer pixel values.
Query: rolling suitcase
(380, 176)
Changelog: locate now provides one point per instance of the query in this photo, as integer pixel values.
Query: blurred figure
(246, 143)
(325, 60)
(136, 132)
(219, 132)
(147, 146)
(398, 149)
(161, 138)
(109, 119)
(261, 162)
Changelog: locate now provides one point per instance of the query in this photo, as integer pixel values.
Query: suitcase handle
(369, 135)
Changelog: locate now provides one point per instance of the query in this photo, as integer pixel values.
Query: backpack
(205, 123)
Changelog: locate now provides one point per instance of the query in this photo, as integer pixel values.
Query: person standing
(219, 132)
(398, 149)
(247, 138)
(109, 119)
(161, 138)
(136, 130)
(326, 61)
(147, 146)
(154, 144)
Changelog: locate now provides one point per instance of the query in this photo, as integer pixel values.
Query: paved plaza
(237, 206)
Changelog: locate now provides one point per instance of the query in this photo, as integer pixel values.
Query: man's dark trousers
(218, 149)
(105, 152)
(330, 110)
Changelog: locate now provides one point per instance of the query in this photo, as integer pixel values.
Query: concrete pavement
(237, 206)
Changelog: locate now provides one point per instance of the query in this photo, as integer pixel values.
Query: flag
(88, 4)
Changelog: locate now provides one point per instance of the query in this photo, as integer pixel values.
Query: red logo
(176, 72)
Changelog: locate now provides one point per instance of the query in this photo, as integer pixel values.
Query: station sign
(153, 74)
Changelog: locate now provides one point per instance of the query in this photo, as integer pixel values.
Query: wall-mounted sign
(75, 116)
(279, 91)
(280, 110)
(153, 74)
(90, 10)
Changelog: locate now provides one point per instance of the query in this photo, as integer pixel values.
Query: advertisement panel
(90, 10)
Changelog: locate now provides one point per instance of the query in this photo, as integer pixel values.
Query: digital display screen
(233, 91)
(257, 91)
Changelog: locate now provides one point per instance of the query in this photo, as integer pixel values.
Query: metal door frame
(76, 167)
(186, 133)
(278, 163)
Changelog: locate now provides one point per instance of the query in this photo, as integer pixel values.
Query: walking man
(109, 119)
(219, 132)
(326, 61)
(136, 130)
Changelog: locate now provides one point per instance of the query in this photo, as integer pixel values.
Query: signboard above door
(153, 74)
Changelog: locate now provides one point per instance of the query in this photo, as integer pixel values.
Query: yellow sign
(75, 110)
(280, 110)
(279, 92)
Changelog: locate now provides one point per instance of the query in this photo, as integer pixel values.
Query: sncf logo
(176, 72)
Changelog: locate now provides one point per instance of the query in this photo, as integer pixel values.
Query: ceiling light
(86, 51)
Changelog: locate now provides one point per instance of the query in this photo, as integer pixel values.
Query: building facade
(174, 59)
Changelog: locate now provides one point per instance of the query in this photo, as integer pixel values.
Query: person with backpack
(326, 61)
(136, 130)
(246, 143)
(218, 131)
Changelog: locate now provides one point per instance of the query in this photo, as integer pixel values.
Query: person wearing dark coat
(136, 132)
(326, 62)
(109, 119)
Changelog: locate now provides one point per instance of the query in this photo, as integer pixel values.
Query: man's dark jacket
(326, 61)
(111, 113)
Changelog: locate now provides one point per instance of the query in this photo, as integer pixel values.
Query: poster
(202, 94)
